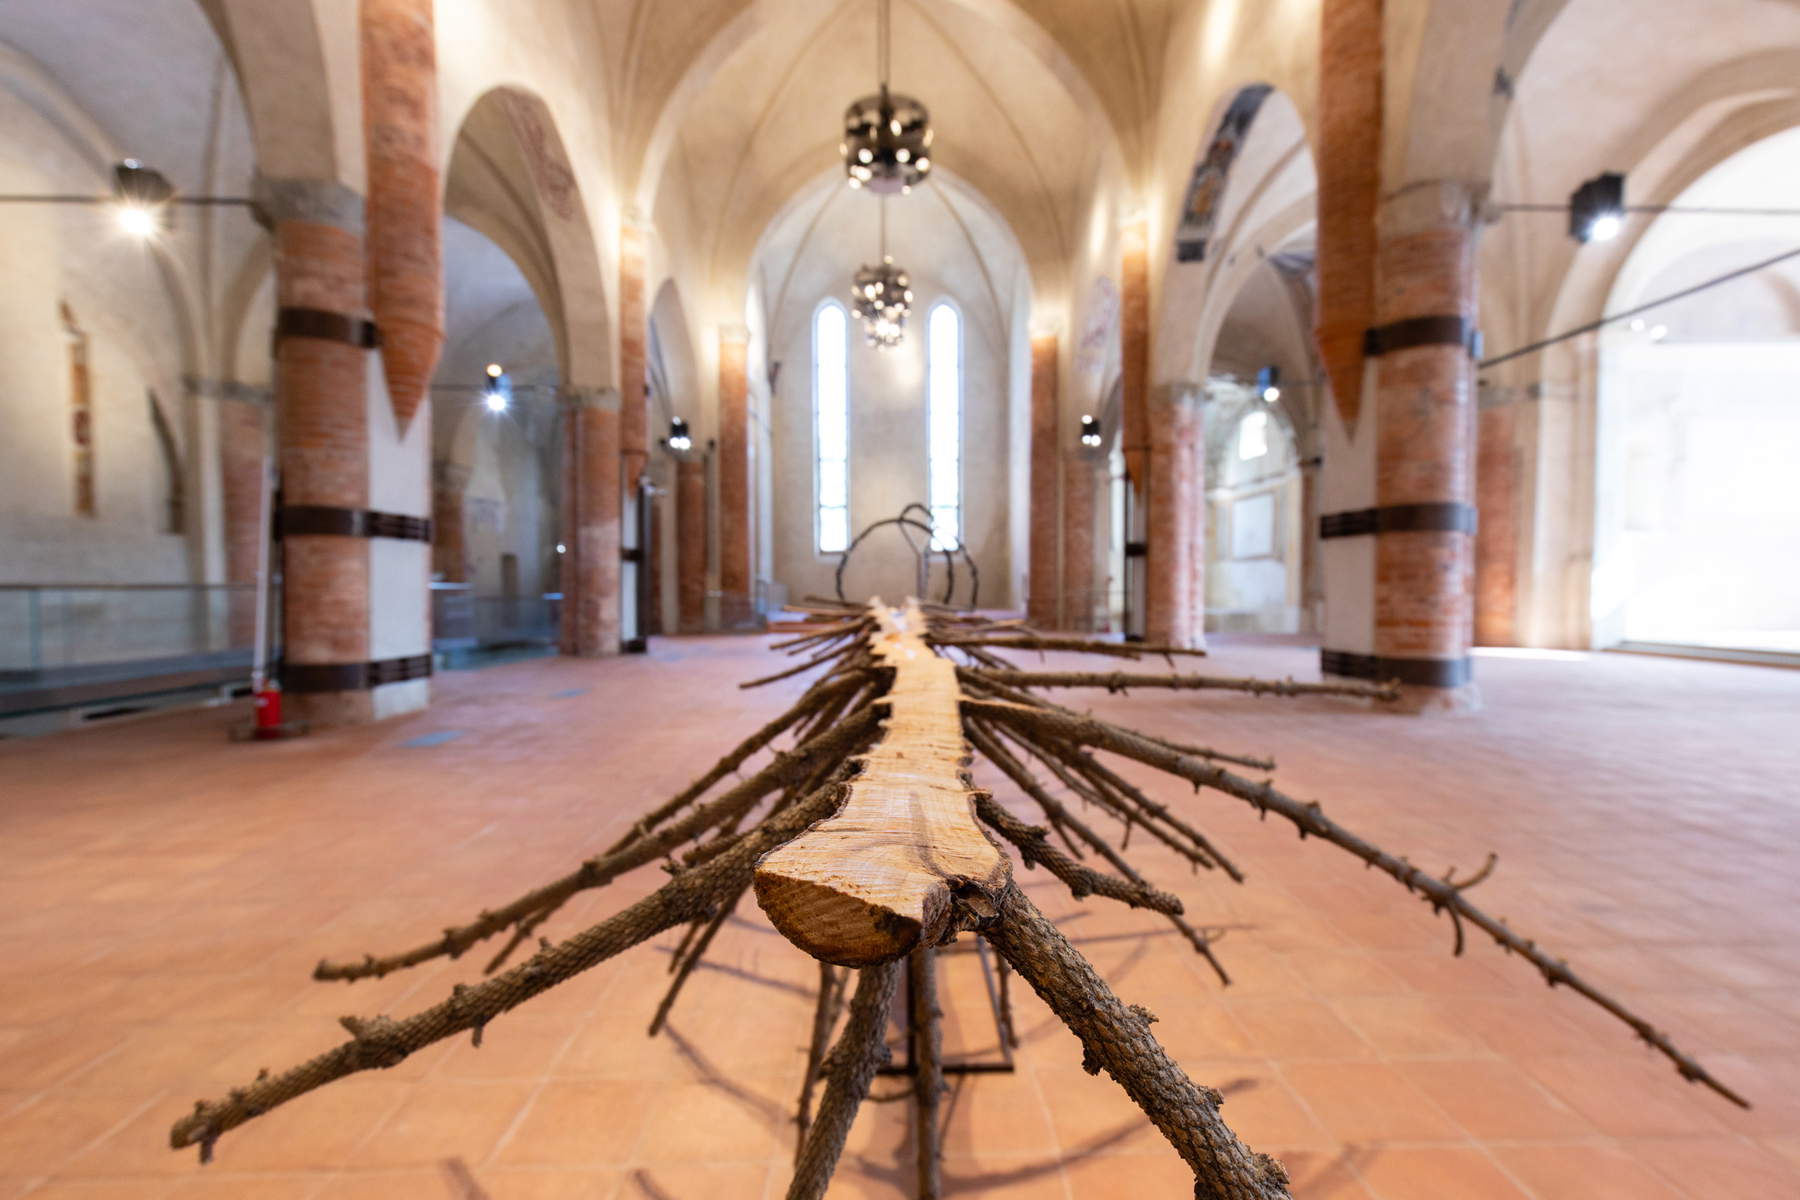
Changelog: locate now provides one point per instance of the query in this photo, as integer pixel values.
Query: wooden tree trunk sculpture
(867, 845)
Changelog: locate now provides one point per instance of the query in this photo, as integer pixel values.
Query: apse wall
(957, 250)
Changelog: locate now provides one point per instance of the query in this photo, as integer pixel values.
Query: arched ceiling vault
(752, 115)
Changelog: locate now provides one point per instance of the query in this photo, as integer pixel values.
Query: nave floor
(164, 895)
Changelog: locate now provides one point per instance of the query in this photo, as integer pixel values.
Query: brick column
(1134, 344)
(449, 543)
(243, 445)
(1425, 411)
(1043, 590)
(1081, 469)
(590, 606)
(690, 544)
(406, 270)
(1349, 163)
(634, 441)
(1499, 480)
(736, 603)
(1175, 516)
(321, 376)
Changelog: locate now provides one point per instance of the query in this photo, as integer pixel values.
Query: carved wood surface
(873, 882)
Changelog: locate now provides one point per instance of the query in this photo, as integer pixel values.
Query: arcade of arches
(496, 349)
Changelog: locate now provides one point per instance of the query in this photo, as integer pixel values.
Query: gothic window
(831, 425)
(943, 349)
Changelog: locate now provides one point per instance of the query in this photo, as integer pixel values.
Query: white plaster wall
(888, 459)
(116, 292)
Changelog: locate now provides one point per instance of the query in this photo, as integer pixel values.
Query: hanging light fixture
(881, 296)
(887, 136)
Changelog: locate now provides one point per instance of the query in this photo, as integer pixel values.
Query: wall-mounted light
(678, 439)
(1268, 383)
(496, 393)
(1090, 430)
(561, 549)
(143, 197)
(1597, 208)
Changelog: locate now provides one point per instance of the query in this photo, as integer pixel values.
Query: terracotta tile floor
(164, 894)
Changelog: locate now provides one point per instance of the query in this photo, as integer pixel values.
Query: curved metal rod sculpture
(906, 522)
(865, 842)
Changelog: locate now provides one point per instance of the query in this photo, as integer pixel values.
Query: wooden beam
(871, 883)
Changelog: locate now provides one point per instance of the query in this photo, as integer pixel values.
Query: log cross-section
(869, 884)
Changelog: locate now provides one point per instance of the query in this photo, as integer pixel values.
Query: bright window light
(943, 348)
(1253, 436)
(831, 425)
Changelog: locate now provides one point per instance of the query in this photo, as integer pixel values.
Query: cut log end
(872, 883)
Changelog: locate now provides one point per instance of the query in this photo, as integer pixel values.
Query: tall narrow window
(943, 350)
(831, 424)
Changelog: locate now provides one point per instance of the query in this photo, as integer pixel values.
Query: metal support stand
(999, 1002)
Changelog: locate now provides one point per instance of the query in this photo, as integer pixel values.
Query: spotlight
(1268, 383)
(678, 438)
(143, 195)
(1597, 208)
(1658, 332)
(1090, 430)
(497, 392)
(561, 549)
(138, 221)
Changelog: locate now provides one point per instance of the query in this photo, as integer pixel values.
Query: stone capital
(318, 201)
(1432, 204)
(228, 389)
(1180, 394)
(450, 477)
(606, 398)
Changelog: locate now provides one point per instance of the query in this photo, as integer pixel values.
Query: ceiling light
(881, 295)
(678, 438)
(495, 370)
(1597, 208)
(496, 393)
(143, 195)
(885, 133)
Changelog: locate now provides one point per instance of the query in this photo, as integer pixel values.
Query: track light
(497, 392)
(143, 195)
(1090, 430)
(678, 438)
(1597, 208)
(1268, 383)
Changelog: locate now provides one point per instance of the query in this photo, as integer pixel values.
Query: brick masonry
(1499, 476)
(324, 455)
(1349, 164)
(1176, 514)
(634, 444)
(690, 545)
(1081, 477)
(1043, 592)
(590, 610)
(406, 270)
(1425, 447)
(735, 602)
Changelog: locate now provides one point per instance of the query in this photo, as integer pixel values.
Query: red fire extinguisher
(268, 710)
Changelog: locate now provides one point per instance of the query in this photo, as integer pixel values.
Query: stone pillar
(1043, 590)
(690, 544)
(1425, 448)
(590, 606)
(243, 447)
(1081, 468)
(321, 381)
(449, 543)
(634, 440)
(1176, 517)
(736, 602)
(406, 270)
